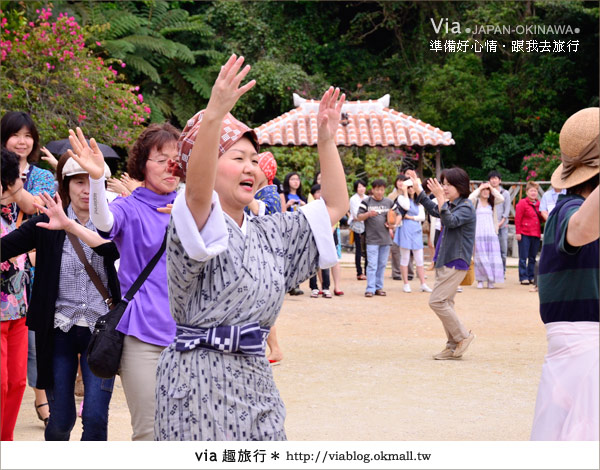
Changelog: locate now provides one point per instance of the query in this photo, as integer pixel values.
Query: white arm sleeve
(420, 217)
(404, 202)
(100, 214)
(200, 245)
(320, 224)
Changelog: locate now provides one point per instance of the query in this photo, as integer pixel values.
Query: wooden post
(438, 163)
(420, 162)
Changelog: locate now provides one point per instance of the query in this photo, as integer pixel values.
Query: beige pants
(441, 302)
(138, 376)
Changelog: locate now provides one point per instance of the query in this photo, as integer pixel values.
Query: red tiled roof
(370, 123)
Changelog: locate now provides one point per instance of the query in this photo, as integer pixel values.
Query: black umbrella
(58, 147)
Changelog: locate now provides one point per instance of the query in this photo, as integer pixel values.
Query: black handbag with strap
(106, 344)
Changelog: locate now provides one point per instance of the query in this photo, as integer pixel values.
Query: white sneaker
(425, 288)
(314, 293)
(407, 288)
(480, 285)
(459, 289)
(491, 285)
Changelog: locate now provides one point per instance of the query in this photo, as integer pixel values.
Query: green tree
(159, 43)
(49, 72)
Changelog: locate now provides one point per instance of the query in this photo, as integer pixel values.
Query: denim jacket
(458, 219)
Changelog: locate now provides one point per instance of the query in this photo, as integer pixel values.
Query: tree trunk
(438, 163)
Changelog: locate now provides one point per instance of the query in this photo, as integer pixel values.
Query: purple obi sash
(249, 339)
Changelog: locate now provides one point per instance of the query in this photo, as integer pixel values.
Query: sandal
(380, 292)
(368, 294)
(45, 420)
(361, 277)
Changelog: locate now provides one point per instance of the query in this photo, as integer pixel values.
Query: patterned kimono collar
(243, 228)
(6, 213)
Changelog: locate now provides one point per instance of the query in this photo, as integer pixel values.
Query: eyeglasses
(162, 162)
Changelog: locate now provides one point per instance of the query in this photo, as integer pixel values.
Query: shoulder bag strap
(147, 270)
(91, 273)
(19, 219)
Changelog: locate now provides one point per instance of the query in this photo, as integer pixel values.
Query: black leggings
(358, 251)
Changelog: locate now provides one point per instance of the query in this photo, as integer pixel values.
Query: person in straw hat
(567, 406)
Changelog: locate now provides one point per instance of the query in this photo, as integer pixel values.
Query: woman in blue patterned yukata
(228, 275)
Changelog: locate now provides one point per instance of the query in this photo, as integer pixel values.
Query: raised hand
(436, 188)
(227, 90)
(130, 183)
(415, 180)
(89, 156)
(330, 111)
(54, 211)
(116, 186)
(49, 158)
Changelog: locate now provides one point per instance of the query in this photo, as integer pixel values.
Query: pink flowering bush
(49, 72)
(539, 166)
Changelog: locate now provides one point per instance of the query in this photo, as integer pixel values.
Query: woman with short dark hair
(138, 228)
(453, 252)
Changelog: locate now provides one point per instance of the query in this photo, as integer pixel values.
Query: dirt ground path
(361, 369)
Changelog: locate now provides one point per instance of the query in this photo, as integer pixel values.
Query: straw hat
(580, 149)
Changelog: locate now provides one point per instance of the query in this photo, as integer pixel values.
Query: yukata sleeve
(306, 241)
(199, 245)
(190, 251)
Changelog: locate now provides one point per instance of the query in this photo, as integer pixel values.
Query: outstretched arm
(583, 225)
(202, 164)
(90, 158)
(333, 180)
(60, 221)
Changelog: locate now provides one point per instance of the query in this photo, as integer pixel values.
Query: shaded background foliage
(500, 107)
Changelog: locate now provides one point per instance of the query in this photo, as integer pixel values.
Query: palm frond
(170, 18)
(197, 27)
(123, 23)
(118, 48)
(199, 79)
(159, 108)
(183, 53)
(141, 65)
(183, 108)
(164, 47)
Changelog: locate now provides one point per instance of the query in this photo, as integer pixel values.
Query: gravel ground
(361, 369)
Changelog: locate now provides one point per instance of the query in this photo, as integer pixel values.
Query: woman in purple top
(138, 229)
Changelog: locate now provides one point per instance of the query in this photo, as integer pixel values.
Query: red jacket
(528, 217)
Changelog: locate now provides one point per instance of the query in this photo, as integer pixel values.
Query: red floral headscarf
(267, 163)
(232, 130)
